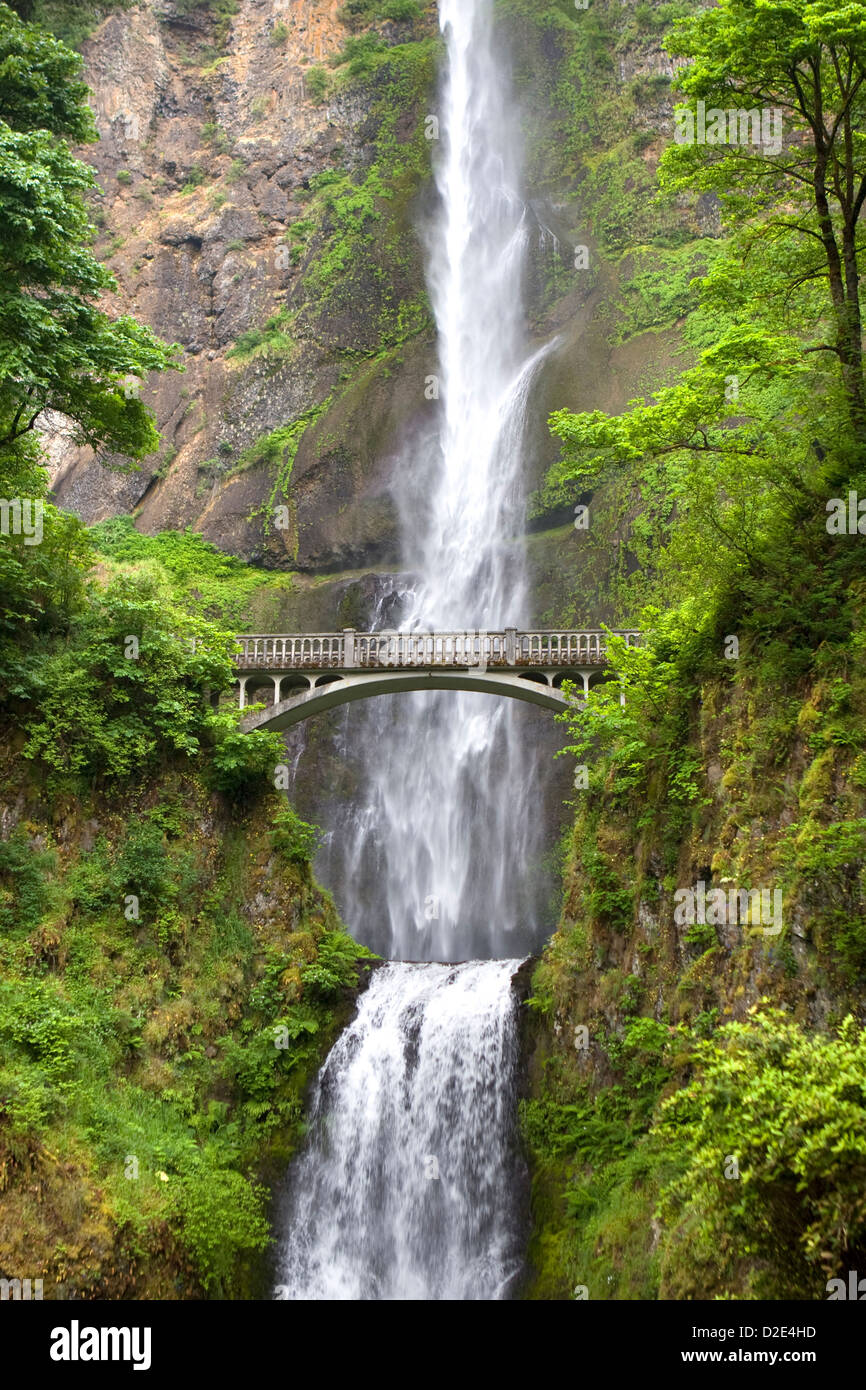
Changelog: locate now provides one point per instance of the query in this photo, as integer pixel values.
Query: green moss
(655, 285)
(273, 339)
(145, 1062)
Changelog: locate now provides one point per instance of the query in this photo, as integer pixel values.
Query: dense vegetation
(683, 1154)
(170, 974)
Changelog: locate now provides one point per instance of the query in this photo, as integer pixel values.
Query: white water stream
(444, 838)
(406, 1188)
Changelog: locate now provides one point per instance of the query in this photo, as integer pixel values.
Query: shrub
(241, 761)
(316, 81)
(790, 1107)
(129, 686)
(220, 1214)
(361, 53)
(25, 882)
(195, 179)
(292, 838)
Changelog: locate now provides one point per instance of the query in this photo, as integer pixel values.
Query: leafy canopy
(58, 350)
(806, 61)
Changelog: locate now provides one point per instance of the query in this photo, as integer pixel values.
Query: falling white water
(406, 1188)
(442, 861)
(408, 1184)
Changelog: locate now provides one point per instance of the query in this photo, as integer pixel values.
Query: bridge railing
(351, 650)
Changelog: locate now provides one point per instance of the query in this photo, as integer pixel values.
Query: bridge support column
(348, 646)
(277, 680)
(242, 691)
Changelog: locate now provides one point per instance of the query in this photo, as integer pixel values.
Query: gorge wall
(265, 171)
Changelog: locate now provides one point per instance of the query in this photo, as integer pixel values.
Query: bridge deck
(363, 651)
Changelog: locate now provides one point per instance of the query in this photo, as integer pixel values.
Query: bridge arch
(346, 689)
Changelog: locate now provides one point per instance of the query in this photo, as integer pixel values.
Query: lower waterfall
(407, 1185)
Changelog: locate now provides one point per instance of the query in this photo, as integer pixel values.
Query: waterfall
(407, 1184)
(442, 861)
(406, 1187)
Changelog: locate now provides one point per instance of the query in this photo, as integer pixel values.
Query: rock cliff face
(265, 186)
(210, 138)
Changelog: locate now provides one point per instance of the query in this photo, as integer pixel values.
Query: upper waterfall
(409, 863)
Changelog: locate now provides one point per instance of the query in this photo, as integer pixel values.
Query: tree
(41, 586)
(127, 688)
(715, 479)
(805, 59)
(58, 350)
(729, 468)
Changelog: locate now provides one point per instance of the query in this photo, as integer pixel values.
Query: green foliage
(702, 935)
(832, 860)
(155, 1039)
(803, 61)
(143, 868)
(316, 83)
(240, 762)
(582, 142)
(357, 12)
(271, 340)
(280, 448)
(213, 134)
(356, 243)
(40, 83)
(58, 350)
(221, 1215)
(128, 689)
(335, 966)
(790, 1107)
(259, 1063)
(26, 888)
(38, 1035)
(581, 1130)
(196, 177)
(606, 896)
(293, 839)
(41, 586)
(204, 579)
(73, 21)
(658, 285)
(645, 737)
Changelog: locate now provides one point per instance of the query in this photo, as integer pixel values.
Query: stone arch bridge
(305, 674)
